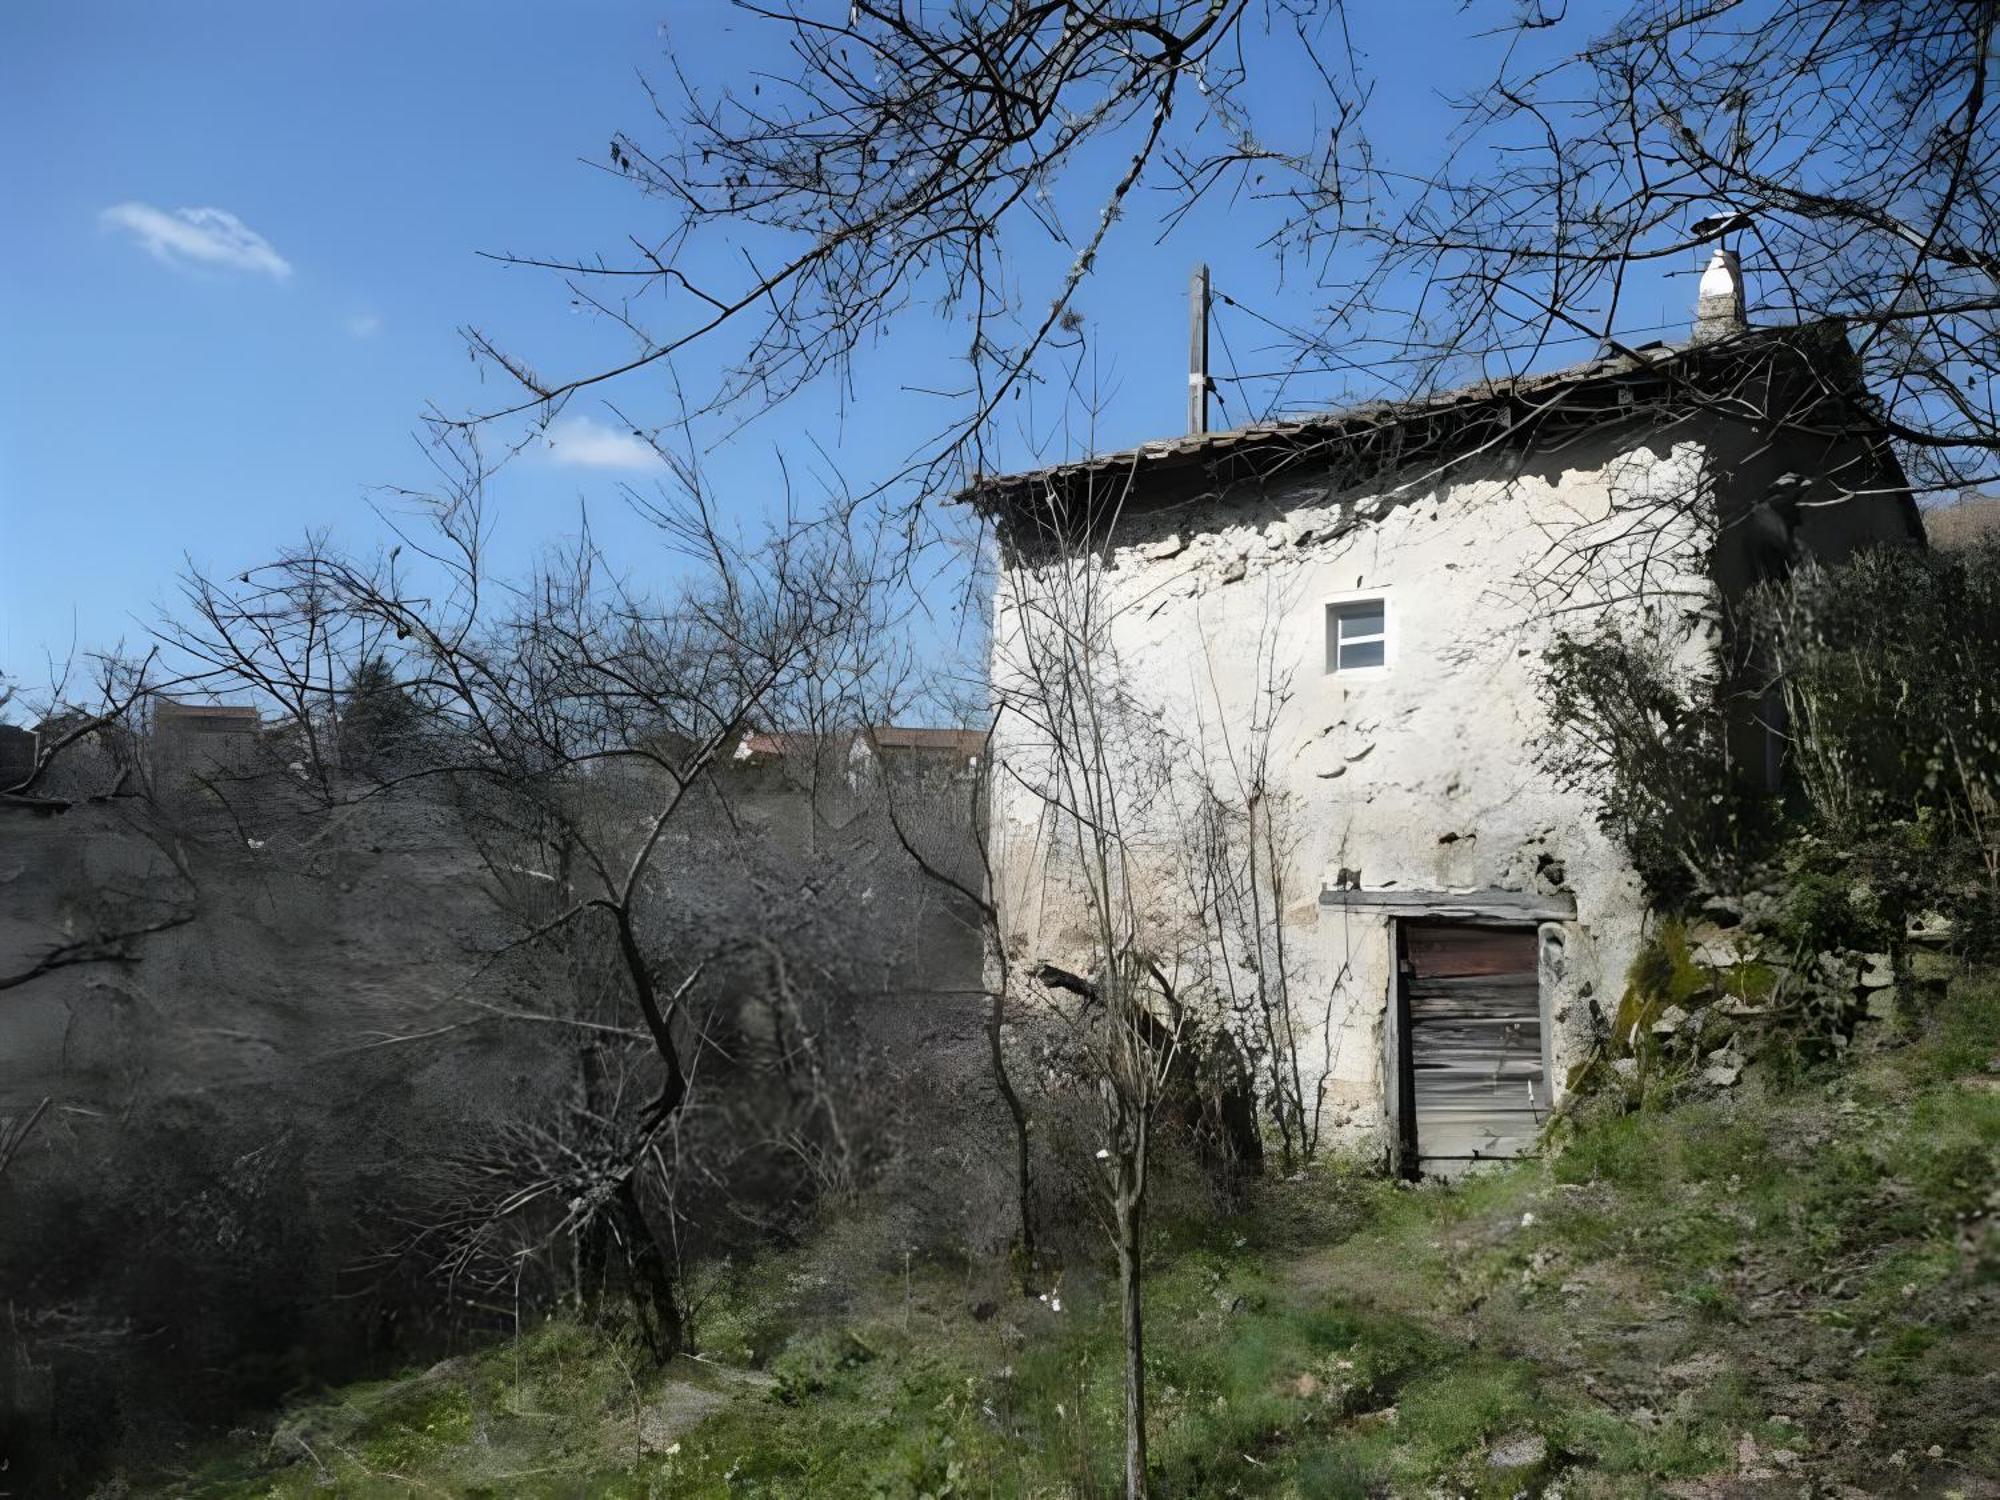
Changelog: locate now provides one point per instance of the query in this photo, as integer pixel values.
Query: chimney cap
(1730, 221)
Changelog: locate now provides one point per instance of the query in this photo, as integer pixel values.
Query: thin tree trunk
(996, 1011)
(995, 1018)
(651, 1279)
(655, 1296)
(1131, 1215)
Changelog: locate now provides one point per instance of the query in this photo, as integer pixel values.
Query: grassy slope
(1737, 1296)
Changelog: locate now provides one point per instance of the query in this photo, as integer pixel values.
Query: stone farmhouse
(1359, 604)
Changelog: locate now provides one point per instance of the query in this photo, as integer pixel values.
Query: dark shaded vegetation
(1878, 676)
(381, 725)
(350, 1120)
(1795, 1284)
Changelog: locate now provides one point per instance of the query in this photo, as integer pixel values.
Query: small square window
(1357, 635)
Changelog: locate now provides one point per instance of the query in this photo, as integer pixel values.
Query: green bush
(1890, 670)
(1647, 739)
(1888, 667)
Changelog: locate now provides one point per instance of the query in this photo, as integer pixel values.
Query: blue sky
(243, 235)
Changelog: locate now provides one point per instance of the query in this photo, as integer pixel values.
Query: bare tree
(1236, 826)
(1067, 712)
(91, 751)
(539, 693)
(1847, 146)
(978, 890)
(89, 727)
(887, 161)
(899, 155)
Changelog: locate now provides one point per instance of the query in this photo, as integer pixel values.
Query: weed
(1624, 1314)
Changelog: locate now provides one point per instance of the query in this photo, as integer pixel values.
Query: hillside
(1787, 1289)
(223, 1121)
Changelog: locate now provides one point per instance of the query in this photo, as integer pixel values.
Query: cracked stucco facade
(1420, 778)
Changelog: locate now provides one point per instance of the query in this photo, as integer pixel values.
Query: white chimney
(1718, 308)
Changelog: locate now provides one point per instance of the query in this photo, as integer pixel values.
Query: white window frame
(1330, 610)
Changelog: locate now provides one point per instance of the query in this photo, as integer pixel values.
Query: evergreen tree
(378, 716)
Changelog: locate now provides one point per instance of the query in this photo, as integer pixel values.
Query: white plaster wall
(1423, 778)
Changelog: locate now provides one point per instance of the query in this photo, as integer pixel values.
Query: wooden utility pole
(1198, 351)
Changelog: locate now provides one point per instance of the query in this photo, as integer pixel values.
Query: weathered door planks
(1473, 1038)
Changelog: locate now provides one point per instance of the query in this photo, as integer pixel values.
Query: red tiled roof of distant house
(967, 742)
(213, 718)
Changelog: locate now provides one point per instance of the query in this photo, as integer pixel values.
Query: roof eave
(1224, 455)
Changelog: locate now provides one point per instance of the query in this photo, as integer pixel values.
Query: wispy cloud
(592, 445)
(204, 237)
(364, 325)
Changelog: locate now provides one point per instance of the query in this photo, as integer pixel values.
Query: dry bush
(1968, 521)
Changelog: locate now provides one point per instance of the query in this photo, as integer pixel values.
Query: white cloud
(197, 237)
(364, 325)
(592, 445)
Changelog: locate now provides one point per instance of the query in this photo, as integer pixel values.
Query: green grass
(1809, 1269)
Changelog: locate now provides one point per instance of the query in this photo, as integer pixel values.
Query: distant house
(20, 749)
(925, 753)
(203, 738)
(859, 756)
(1372, 591)
(172, 717)
(764, 747)
(806, 787)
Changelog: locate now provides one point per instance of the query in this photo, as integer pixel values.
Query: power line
(1342, 365)
(1228, 354)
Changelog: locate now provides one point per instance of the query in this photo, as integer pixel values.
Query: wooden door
(1477, 1089)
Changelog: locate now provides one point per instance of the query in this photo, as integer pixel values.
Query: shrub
(379, 720)
(1890, 670)
(1888, 667)
(1646, 738)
